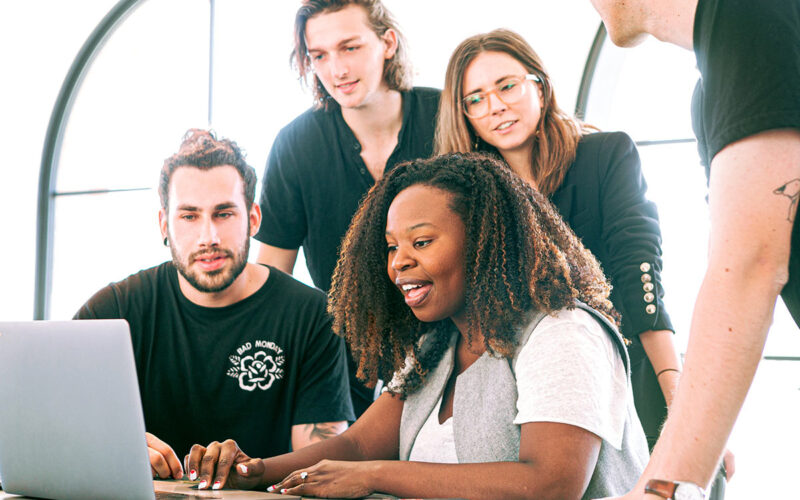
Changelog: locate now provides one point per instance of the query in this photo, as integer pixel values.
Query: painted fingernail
(192, 475)
(271, 488)
(217, 485)
(283, 490)
(202, 484)
(243, 468)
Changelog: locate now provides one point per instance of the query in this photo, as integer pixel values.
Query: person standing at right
(366, 118)
(746, 115)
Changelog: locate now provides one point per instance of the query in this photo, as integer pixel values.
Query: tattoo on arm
(790, 190)
(320, 431)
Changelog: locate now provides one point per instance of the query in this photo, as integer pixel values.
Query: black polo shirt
(315, 178)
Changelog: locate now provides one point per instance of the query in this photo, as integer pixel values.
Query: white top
(435, 442)
(571, 372)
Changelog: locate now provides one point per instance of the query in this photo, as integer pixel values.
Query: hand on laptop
(164, 463)
(216, 460)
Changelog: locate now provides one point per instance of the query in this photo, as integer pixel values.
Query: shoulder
(297, 295)
(571, 331)
(305, 127)
(425, 98)
(114, 300)
(605, 142)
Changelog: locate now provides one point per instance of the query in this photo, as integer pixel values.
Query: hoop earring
(166, 241)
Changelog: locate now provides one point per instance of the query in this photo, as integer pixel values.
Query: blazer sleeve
(632, 237)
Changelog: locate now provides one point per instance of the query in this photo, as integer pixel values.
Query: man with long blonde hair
(366, 118)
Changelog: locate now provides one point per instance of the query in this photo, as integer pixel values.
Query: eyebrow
(220, 206)
(479, 89)
(341, 43)
(416, 226)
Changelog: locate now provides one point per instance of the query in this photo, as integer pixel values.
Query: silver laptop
(71, 424)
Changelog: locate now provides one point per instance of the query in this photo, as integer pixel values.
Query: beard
(218, 279)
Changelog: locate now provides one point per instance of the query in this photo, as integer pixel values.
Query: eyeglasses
(509, 91)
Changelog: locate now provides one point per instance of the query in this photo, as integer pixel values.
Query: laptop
(71, 423)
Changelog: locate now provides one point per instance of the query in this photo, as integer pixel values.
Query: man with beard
(224, 348)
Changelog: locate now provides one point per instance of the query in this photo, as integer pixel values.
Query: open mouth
(416, 293)
(348, 87)
(505, 125)
(211, 262)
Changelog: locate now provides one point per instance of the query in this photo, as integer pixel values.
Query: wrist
(674, 490)
(374, 470)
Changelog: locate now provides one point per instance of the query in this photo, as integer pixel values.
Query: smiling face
(425, 241)
(347, 56)
(507, 127)
(208, 226)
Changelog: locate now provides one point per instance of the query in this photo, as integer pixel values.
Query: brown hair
(519, 256)
(557, 135)
(396, 71)
(201, 149)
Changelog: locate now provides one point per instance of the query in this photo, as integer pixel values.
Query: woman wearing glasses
(498, 98)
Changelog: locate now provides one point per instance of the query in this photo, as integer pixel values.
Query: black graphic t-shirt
(248, 371)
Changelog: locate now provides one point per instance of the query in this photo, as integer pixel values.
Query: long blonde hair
(558, 133)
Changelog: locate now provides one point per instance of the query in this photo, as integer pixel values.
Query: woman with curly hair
(498, 98)
(509, 378)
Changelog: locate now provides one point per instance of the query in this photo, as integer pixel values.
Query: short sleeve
(748, 53)
(284, 222)
(323, 390)
(570, 372)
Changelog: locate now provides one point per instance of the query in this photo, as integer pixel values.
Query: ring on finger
(303, 476)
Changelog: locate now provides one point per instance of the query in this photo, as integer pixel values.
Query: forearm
(307, 434)
(507, 480)
(340, 447)
(660, 349)
(729, 327)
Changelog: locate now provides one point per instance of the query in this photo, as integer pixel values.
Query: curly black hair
(519, 257)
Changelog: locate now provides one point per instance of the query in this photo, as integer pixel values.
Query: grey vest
(484, 408)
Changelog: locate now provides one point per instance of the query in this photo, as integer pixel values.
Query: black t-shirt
(248, 371)
(748, 54)
(315, 178)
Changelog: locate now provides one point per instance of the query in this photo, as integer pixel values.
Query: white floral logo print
(257, 369)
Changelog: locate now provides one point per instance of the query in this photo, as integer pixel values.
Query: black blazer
(603, 200)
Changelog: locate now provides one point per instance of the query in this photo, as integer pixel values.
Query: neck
(246, 284)
(672, 21)
(520, 161)
(381, 116)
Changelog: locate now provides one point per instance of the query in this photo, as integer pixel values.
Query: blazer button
(646, 278)
(649, 297)
(645, 267)
(647, 287)
(650, 309)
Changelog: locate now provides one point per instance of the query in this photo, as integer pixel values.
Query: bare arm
(282, 258)
(374, 436)
(307, 434)
(749, 249)
(660, 349)
(556, 461)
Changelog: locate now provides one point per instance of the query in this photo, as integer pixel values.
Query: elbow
(766, 269)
